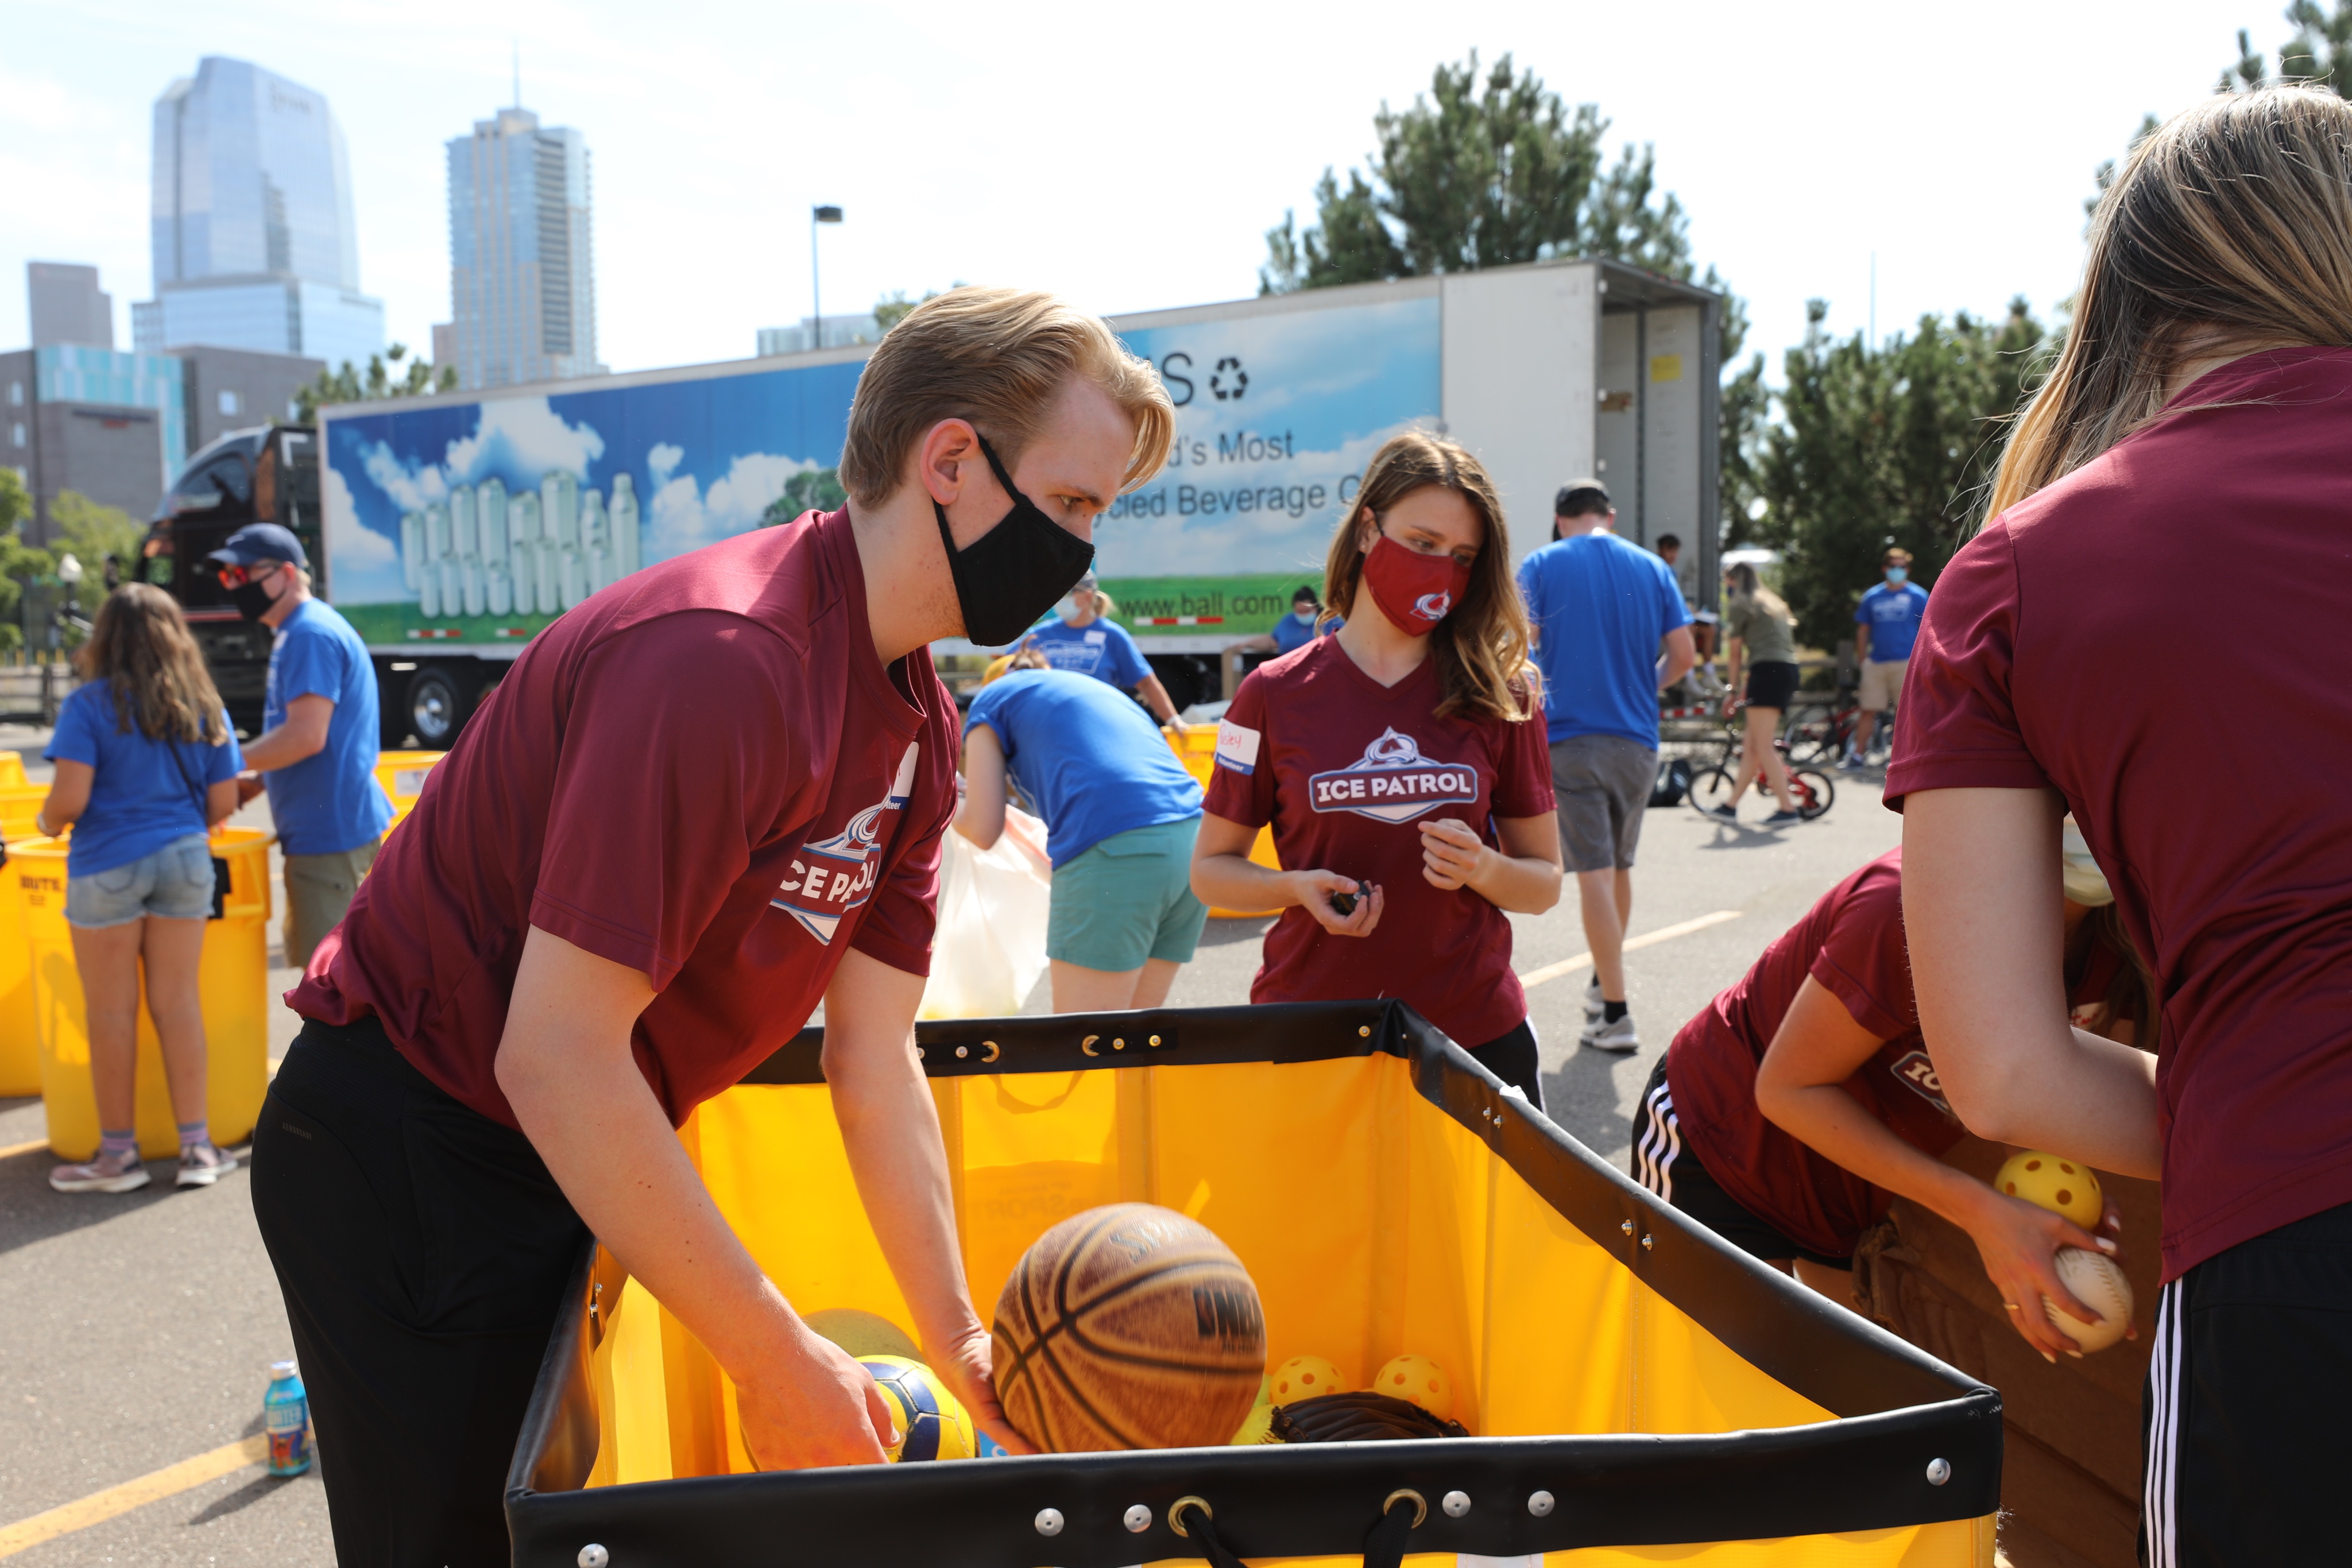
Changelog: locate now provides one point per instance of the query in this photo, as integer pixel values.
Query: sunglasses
(238, 576)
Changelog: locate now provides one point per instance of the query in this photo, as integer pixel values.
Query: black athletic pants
(2243, 1424)
(1513, 1058)
(423, 1249)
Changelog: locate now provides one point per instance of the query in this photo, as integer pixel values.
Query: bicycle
(1813, 789)
(1820, 732)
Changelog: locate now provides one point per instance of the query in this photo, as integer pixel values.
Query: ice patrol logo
(828, 879)
(1918, 1075)
(1394, 783)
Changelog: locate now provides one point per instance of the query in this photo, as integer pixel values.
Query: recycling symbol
(1229, 381)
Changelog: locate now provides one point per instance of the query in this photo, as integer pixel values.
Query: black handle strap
(1383, 1544)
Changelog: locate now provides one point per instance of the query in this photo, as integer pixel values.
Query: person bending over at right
(1790, 1112)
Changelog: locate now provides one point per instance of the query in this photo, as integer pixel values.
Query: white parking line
(1535, 978)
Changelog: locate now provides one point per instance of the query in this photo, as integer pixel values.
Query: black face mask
(252, 599)
(1012, 574)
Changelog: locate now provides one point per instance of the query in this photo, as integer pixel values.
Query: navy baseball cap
(258, 542)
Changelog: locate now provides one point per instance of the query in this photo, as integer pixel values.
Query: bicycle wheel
(1710, 789)
(1814, 792)
(1812, 734)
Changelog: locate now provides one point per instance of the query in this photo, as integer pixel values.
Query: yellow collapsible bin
(402, 776)
(1196, 749)
(1636, 1390)
(20, 1050)
(232, 977)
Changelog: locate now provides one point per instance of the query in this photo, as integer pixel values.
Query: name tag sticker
(1237, 746)
(1097, 637)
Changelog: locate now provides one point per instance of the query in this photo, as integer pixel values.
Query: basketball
(1128, 1327)
(932, 1422)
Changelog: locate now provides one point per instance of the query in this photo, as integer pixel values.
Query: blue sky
(1129, 157)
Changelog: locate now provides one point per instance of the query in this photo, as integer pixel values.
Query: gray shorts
(1603, 783)
(174, 883)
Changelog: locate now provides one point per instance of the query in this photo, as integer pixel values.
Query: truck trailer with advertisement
(449, 529)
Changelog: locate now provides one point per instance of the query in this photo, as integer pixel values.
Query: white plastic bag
(990, 947)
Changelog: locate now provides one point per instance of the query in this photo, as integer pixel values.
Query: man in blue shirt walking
(317, 751)
(1602, 610)
(1893, 610)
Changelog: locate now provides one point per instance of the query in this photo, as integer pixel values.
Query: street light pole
(816, 294)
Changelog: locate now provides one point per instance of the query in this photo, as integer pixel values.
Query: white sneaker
(201, 1165)
(1593, 1004)
(1619, 1038)
(128, 1174)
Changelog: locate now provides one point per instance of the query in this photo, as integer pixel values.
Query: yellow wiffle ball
(932, 1422)
(2052, 1182)
(1304, 1377)
(1419, 1380)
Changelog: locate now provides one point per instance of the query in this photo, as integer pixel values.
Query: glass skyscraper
(522, 276)
(251, 221)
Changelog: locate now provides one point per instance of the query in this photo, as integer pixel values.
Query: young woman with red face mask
(1402, 763)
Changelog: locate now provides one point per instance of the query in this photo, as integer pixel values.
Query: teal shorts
(1127, 899)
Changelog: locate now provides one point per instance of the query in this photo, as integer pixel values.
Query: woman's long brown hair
(1480, 648)
(141, 649)
(2229, 230)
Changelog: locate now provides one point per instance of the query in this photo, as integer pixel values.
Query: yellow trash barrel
(20, 1057)
(1196, 749)
(232, 978)
(401, 774)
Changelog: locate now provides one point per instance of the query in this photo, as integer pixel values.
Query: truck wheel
(439, 702)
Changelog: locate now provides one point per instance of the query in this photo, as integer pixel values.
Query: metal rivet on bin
(1049, 1521)
(1647, 1241)
(1627, 1228)
(1139, 1519)
(594, 1556)
(1539, 1503)
(1456, 1504)
(919, 1053)
(1939, 1471)
(1119, 1045)
(1364, 1031)
(1155, 1040)
(962, 1051)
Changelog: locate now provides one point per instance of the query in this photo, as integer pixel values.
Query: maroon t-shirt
(1852, 942)
(2149, 637)
(705, 773)
(1347, 770)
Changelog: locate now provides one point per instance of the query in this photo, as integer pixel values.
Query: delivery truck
(449, 529)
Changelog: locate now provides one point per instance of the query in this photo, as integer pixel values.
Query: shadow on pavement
(31, 1212)
(1581, 1097)
(1226, 933)
(245, 1495)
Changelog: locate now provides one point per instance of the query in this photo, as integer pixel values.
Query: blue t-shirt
(1599, 605)
(142, 796)
(1098, 649)
(329, 801)
(1892, 615)
(1093, 762)
(1290, 633)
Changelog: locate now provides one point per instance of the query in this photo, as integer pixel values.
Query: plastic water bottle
(285, 1417)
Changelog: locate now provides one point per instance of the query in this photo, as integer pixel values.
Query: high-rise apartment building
(523, 278)
(67, 304)
(251, 221)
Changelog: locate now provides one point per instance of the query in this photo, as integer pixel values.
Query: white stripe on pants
(2165, 1370)
(1662, 1141)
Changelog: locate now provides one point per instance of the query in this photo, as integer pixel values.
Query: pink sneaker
(127, 1173)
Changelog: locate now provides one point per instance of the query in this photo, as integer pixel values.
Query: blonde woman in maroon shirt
(2184, 471)
(1403, 764)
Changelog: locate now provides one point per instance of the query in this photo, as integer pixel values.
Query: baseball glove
(1358, 1418)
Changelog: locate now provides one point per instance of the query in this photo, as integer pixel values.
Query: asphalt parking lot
(140, 1328)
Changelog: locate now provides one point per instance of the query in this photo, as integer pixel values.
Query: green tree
(19, 562)
(1493, 170)
(92, 532)
(382, 380)
(892, 308)
(811, 487)
(1892, 444)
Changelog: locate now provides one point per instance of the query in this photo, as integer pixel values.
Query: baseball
(2099, 1285)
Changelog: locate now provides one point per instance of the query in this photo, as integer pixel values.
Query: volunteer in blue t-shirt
(1083, 639)
(1611, 632)
(146, 763)
(1120, 816)
(317, 751)
(1893, 610)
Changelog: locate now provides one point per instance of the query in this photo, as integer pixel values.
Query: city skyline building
(67, 306)
(251, 225)
(523, 279)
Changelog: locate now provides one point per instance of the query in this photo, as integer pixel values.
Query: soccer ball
(932, 1423)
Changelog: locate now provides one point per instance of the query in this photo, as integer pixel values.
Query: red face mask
(1415, 591)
